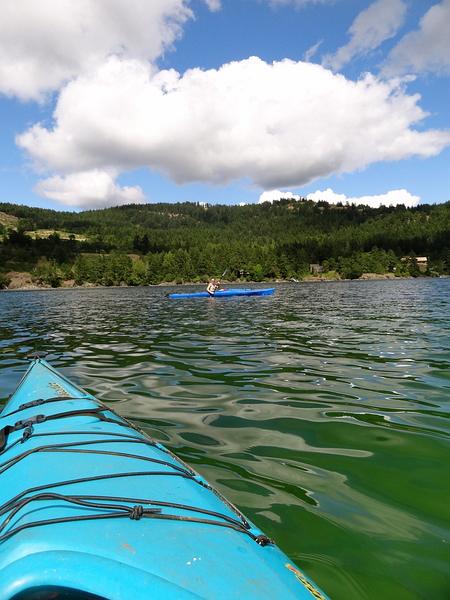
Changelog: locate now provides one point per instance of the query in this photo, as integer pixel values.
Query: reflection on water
(321, 411)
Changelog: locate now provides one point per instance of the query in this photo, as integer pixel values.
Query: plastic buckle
(27, 433)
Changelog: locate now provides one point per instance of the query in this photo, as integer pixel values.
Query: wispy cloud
(213, 5)
(312, 51)
(296, 3)
(425, 50)
(377, 23)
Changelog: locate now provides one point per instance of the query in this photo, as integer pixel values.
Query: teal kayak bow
(90, 507)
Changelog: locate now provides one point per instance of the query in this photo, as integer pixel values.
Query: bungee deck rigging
(134, 512)
(77, 478)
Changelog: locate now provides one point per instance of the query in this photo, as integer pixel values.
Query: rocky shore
(22, 281)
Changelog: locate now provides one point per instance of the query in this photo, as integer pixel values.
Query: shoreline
(308, 280)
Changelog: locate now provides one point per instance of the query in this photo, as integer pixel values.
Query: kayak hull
(89, 503)
(225, 293)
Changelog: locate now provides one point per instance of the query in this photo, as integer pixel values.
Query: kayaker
(213, 286)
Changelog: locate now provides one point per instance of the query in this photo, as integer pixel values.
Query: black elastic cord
(12, 532)
(41, 401)
(84, 500)
(49, 433)
(69, 499)
(133, 512)
(66, 448)
(137, 511)
(208, 486)
(177, 459)
(36, 419)
(5, 507)
(262, 540)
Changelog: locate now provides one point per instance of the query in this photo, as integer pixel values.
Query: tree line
(152, 243)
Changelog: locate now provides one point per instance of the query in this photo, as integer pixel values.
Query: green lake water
(322, 411)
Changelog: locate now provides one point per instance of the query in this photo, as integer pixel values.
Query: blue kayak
(226, 293)
(92, 508)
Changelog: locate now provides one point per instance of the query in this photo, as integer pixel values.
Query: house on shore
(315, 269)
(422, 262)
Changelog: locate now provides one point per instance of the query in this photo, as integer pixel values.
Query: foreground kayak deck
(92, 507)
(226, 293)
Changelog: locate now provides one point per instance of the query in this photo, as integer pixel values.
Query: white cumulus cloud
(281, 124)
(89, 189)
(391, 198)
(275, 195)
(427, 49)
(44, 43)
(375, 24)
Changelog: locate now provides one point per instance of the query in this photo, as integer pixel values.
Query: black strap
(28, 423)
(41, 401)
(134, 512)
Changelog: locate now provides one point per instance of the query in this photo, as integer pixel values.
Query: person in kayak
(213, 286)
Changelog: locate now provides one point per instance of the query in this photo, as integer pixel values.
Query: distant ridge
(288, 239)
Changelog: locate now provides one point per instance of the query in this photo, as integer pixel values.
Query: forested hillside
(151, 243)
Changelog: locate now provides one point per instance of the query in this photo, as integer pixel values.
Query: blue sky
(124, 101)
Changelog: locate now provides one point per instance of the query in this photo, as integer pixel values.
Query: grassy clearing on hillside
(8, 221)
(64, 235)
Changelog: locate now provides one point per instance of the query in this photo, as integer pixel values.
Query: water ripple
(323, 411)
